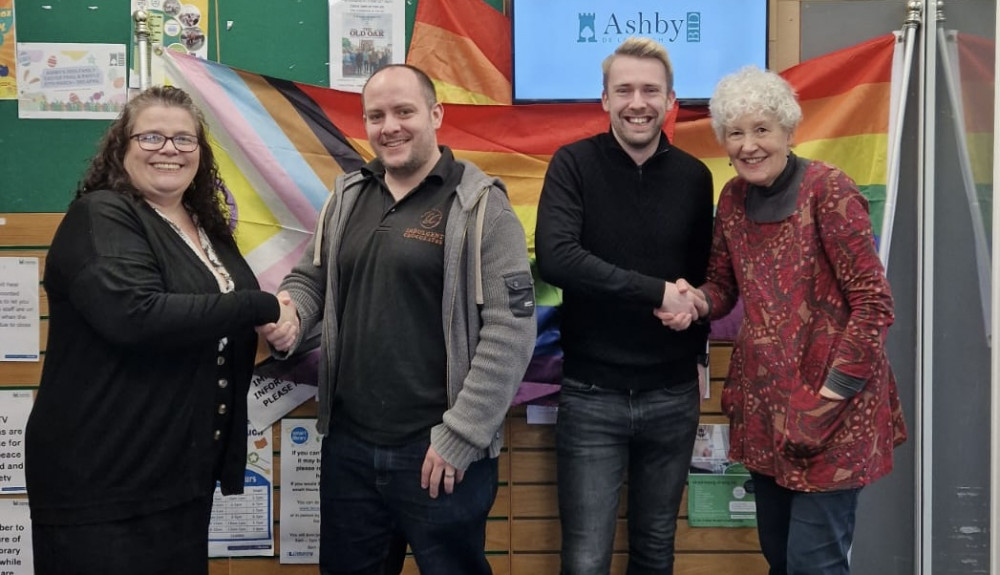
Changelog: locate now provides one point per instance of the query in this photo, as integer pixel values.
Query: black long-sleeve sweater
(610, 233)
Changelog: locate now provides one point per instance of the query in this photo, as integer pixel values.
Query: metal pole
(995, 349)
(142, 44)
(910, 25)
(926, 162)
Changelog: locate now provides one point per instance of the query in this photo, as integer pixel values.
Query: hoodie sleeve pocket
(520, 293)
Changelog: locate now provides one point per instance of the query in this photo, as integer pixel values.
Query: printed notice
(300, 457)
(72, 81)
(243, 525)
(15, 405)
(15, 538)
(278, 387)
(365, 35)
(19, 309)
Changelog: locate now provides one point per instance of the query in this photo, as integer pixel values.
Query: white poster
(15, 538)
(70, 81)
(300, 457)
(15, 405)
(19, 309)
(243, 525)
(364, 36)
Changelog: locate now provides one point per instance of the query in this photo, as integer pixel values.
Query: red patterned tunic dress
(816, 299)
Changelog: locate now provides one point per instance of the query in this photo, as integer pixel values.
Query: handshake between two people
(283, 333)
(682, 305)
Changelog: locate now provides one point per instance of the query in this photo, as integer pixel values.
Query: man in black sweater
(622, 215)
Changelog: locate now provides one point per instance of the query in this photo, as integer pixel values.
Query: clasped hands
(283, 333)
(682, 304)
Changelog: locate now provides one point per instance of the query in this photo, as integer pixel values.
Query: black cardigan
(123, 421)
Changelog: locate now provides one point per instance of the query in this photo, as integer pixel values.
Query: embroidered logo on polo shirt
(428, 221)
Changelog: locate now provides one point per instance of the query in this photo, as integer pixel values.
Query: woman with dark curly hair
(152, 310)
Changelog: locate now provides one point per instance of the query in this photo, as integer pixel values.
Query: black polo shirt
(392, 367)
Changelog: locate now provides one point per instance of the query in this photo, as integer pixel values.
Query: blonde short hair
(637, 47)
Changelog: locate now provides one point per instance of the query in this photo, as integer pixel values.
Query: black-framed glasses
(153, 141)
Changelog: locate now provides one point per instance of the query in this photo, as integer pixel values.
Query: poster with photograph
(178, 25)
(8, 64)
(70, 81)
(365, 35)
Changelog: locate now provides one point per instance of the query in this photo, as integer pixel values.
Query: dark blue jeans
(804, 533)
(368, 491)
(601, 433)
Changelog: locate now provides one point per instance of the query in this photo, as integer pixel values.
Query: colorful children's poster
(8, 63)
(70, 81)
(178, 25)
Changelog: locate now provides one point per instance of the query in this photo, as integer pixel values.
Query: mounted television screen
(559, 44)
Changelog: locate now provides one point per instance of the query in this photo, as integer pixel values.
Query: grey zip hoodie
(488, 305)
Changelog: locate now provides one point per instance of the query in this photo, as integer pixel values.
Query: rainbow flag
(281, 144)
(476, 39)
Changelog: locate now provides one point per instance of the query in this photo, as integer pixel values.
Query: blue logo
(300, 435)
(587, 31)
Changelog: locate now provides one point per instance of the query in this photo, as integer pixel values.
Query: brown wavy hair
(204, 197)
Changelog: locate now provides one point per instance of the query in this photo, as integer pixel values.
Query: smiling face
(164, 175)
(637, 98)
(758, 147)
(401, 123)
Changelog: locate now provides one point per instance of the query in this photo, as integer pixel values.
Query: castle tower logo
(587, 32)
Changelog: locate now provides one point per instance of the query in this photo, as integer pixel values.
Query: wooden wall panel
(523, 530)
(28, 229)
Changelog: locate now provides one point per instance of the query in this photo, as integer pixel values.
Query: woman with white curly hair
(812, 402)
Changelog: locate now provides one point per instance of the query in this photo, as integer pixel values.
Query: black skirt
(169, 542)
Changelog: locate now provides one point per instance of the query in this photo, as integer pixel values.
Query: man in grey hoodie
(419, 280)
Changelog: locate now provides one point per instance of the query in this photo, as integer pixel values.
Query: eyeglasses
(152, 141)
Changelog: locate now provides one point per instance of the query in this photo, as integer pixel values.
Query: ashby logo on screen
(617, 26)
